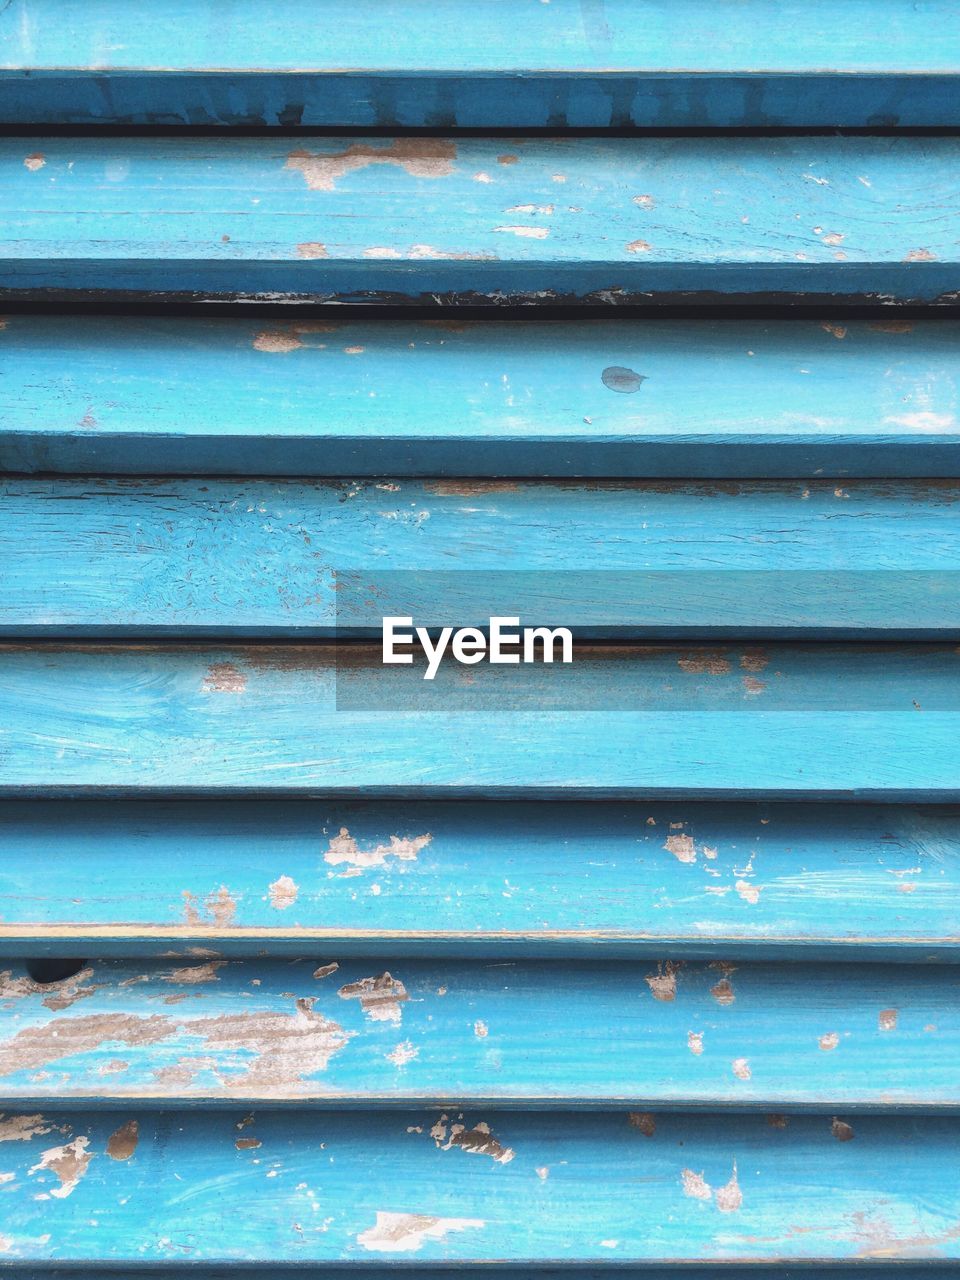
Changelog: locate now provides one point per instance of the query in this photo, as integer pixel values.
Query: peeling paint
(842, 1131)
(741, 1068)
(645, 1121)
(704, 664)
(35, 161)
(695, 1185)
(406, 1232)
(729, 1197)
(325, 970)
(380, 998)
(748, 892)
(682, 847)
(68, 1164)
(639, 246)
(194, 973)
(887, 1020)
(723, 992)
(531, 233)
(22, 1128)
(476, 1141)
(663, 983)
(402, 1054)
(283, 893)
(343, 848)
(224, 677)
(312, 249)
(57, 996)
(695, 1042)
(219, 907)
(419, 157)
(829, 1041)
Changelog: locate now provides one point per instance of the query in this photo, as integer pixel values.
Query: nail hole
(43, 972)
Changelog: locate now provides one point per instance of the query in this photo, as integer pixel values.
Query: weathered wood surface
(535, 1035)
(809, 722)
(361, 880)
(304, 560)
(801, 398)
(274, 1187)
(481, 220)
(696, 63)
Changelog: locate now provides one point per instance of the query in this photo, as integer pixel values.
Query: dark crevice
(49, 970)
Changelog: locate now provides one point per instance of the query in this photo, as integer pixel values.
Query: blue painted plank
(208, 1032)
(818, 722)
(693, 64)
(451, 398)
(360, 1188)
(192, 880)
(612, 559)
(479, 220)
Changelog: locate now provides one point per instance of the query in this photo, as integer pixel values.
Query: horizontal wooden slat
(213, 1187)
(450, 398)
(717, 1035)
(695, 63)
(481, 220)
(88, 557)
(684, 879)
(817, 722)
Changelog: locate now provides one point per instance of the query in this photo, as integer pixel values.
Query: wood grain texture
(817, 722)
(257, 559)
(479, 220)
(824, 398)
(220, 1188)
(689, 63)
(374, 880)
(518, 1034)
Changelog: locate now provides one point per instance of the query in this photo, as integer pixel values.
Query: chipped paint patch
(277, 342)
(402, 1054)
(407, 1232)
(480, 1029)
(695, 1042)
(194, 973)
(920, 255)
(344, 848)
(704, 664)
(663, 983)
(741, 1068)
(223, 677)
(57, 995)
(380, 998)
(748, 892)
(729, 1197)
(122, 1143)
(842, 1131)
(838, 331)
(754, 660)
(68, 1164)
(723, 992)
(531, 233)
(887, 1020)
(35, 161)
(682, 847)
(695, 1185)
(22, 1128)
(219, 907)
(283, 893)
(312, 249)
(419, 157)
(325, 970)
(829, 1041)
(478, 1141)
(639, 246)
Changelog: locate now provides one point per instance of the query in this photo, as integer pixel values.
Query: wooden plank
(514, 1034)
(304, 560)
(487, 221)
(192, 879)
(582, 1189)
(690, 64)
(817, 722)
(134, 395)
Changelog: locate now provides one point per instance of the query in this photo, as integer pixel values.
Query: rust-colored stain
(67, 1163)
(35, 161)
(508, 159)
(122, 1143)
(420, 157)
(842, 1131)
(248, 1144)
(224, 677)
(838, 331)
(312, 249)
(380, 998)
(644, 1121)
(477, 1141)
(283, 893)
(887, 1020)
(470, 488)
(891, 326)
(754, 660)
(343, 848)
(723, 992)
(406, 1232)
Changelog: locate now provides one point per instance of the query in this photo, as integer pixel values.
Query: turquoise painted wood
(696, 63)
(518, 1034)
(232, 1187)
(803, 398)
(487, 221)
(815, 722)
(154, 557)
(192, 880)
